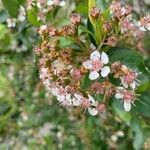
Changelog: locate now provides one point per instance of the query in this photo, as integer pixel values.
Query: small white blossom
(96, 65)
(92, 109)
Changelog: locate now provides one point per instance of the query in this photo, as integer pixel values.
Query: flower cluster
(129, 82)
(77, 72)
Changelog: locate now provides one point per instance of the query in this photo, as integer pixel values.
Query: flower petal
(61, 98)
(127, 105)
(105, 71)
(124, 83)
(93, 111)
(118, 95)
(76, 102)
(92, 101)
(87, 64)
(142, 28)
(148, 27)
(133, 85)
(104, 58)
(95, 55)
(93, 75)
(77, 99)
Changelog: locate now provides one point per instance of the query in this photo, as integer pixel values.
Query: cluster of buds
(65, 70)
(118, 10)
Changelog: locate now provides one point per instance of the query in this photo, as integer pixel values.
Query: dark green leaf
(12, 6)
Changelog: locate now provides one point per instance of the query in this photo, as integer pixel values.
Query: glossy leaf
(32, 17)
(12, 6)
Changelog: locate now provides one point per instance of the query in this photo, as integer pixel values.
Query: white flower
(77, 100)
(127, 105)
(92, 109)
(145, 27)
(11, 22)
(130, 80)
(96, 65)
(127, 96)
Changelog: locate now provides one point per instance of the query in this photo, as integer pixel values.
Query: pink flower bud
(75, 19)
(107, 27)
(101, 108)
(112, 41)
(95, 12)
(76, 74)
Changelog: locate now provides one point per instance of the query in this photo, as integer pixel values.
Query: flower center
(130, 77)
(128, 96)
(97, 65)
(85, 103)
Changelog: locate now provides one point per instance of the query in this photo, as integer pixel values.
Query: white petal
(148, 27)
(91, 99)
(87, 64)
(62, 3)
(104, 58)
(105, 71)
(124, 83)
(95, 55)
(123, 11)
(68, 97)
(119, 95)
(55, 91)
(138, 24)
(50, 2)
(127, 106)
(61, 98)
(78, 96)
(93, 111)
(133, 85)
(93, 75)
(142, 28)
(76, 102)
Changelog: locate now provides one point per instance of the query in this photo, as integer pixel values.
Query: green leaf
(3, 16)
(85, 82)
(7, 103)
(12, 6)
(91, 3)
(65, 42)
(119, 110)
(21, 2)
(82, 8)
(142, 106)
(103, 4)
(140, 136)
(32, 17)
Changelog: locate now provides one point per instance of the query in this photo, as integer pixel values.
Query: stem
(101, 44)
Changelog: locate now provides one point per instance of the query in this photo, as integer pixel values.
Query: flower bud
(95, 12)
(112, 41)
(76, 74)
(75, 19)
(107, 27)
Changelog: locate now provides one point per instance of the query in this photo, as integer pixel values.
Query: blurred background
(29, 119)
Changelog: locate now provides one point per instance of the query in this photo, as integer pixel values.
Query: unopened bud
(95, 12)
(112, 41)
(107, 27)
(75, 19)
